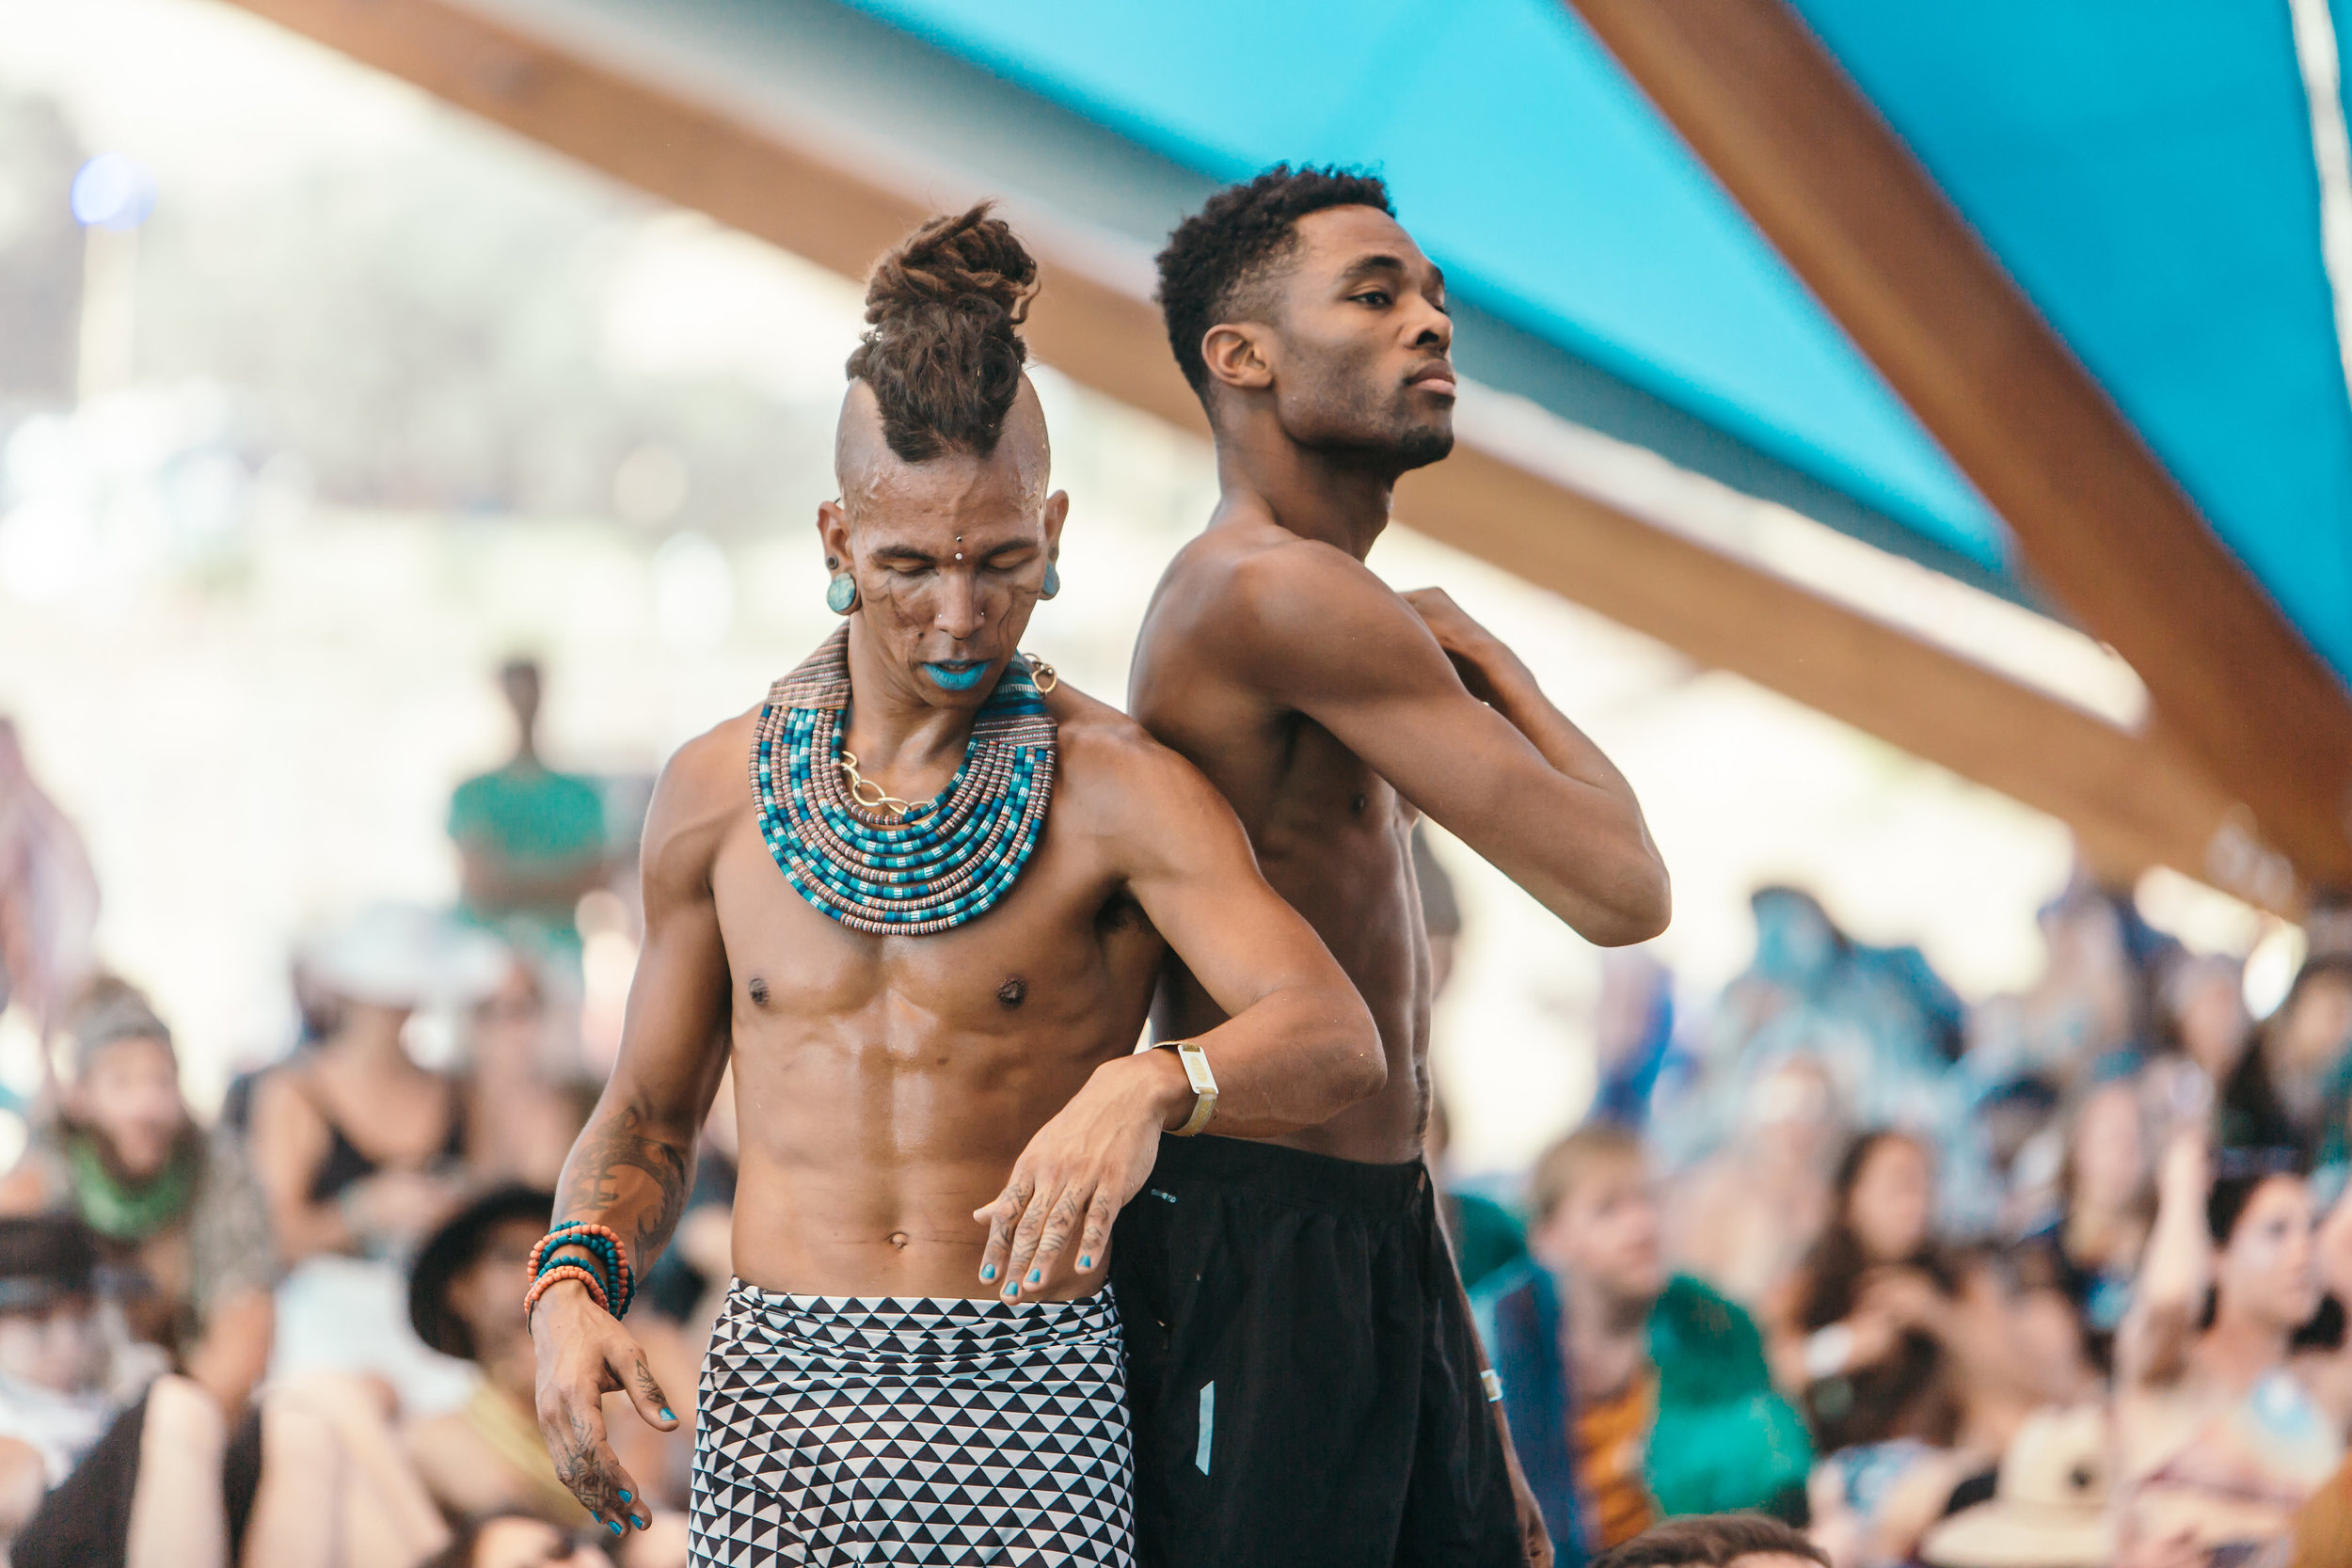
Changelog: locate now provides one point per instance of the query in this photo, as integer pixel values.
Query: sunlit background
(319, 398)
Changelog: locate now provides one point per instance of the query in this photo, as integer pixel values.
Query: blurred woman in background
(2087, 1249)
(2218, 1443)
(179, 1221)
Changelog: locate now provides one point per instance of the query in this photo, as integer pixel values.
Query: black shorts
(1303, 1377)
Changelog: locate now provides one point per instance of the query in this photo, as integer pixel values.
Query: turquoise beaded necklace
(941, 864)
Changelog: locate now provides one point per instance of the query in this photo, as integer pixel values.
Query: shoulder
(704, 783)
(1112, 768)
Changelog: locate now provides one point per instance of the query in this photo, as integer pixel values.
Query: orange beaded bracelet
(563, 1271)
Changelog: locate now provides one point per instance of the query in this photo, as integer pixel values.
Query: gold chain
(1043, 674)
(869, 794)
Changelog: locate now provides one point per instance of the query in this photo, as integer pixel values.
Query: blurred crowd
(2054, 1281)
(2059, 1278)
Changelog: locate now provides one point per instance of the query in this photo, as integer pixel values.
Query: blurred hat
(454, 1248)
(2049, 1504)
(407, 955)
(43, 1257)
(111, 1010)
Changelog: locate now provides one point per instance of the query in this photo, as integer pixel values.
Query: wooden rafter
(2096, 516)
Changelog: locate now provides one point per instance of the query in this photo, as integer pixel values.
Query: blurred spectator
(486, 1458)
(56, 1398)
(1716, 1540)
(1633, 1033)
(1742, 1217)
(359, 1146)
(48, 894)
(360, 1150)
(1631, 1393)
(181, 1223)
(1487, 1236)
(517, 1541)
(2049, 1507)
(1856, 1326)
(2088, 1248)
(530, 841)
(2292, 1091)
(2200, 1013)
(2219, 1444)
(522, 1110)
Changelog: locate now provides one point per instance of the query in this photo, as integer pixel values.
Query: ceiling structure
(1604, 279)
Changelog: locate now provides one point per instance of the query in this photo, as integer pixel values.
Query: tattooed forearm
(646, 1205)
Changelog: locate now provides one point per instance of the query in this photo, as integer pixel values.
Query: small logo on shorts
(1164, 1198)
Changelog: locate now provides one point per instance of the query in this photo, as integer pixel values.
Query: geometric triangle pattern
(856, 1430)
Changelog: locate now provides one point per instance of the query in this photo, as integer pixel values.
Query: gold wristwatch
(1204, 1083)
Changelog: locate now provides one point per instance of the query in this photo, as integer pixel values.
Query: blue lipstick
(958, 676)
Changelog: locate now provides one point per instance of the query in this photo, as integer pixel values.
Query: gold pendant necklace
(869, 794)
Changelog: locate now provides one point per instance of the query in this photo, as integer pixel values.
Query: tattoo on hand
(576, 1466)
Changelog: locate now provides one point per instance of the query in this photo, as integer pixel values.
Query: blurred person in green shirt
(531, 840)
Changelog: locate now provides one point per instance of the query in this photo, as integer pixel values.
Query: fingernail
(625, 1497)
(987, 1275)
(665, 1414)
(613, 1525)
(1035, 1275)
(1086, 1259)
(1011, 1289)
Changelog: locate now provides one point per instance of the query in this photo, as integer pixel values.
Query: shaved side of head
(869, 471)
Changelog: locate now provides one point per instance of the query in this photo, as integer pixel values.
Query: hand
(1905, 1297)
(1875, 1335)
(1479, 656)
(401, 1203)
(584, 1353)
(1081, 1167)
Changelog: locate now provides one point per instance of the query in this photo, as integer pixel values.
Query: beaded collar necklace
(940, 864)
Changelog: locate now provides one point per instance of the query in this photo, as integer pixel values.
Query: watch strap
(1203, 1082)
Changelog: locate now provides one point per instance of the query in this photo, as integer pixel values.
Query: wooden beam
(2095, 514)
(2133, 803)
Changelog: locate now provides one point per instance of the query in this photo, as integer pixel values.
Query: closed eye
(1379, 299)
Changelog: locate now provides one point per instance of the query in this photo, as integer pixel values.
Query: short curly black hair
(1234, 241)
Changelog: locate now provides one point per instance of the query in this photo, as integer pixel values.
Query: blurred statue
(48, 894)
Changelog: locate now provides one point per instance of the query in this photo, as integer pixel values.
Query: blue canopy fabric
(2143, 167)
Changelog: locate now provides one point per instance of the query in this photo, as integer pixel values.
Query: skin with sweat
(953, 1115)
(1329, 709)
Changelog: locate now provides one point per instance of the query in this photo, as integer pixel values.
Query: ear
(1239, 354)
(833, 533)
(1057, 514)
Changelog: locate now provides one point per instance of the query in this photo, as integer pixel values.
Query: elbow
(1641, 910)
(1357, 1068)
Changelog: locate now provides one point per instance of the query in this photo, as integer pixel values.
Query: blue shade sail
(2143, 169)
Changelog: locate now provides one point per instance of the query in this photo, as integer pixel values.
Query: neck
(1600, 1318)
(1339, 498)
(891, 728)
(370, 1038)
(2239, 1347)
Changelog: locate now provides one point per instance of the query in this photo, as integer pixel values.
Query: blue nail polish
(613, 1525)
(1011, 1289)
(625, 1497)
(665, 1414)
(1086, 1259)
(987, 1275)
(1035, 1275)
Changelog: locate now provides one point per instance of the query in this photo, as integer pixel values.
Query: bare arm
(632, 1167)
(1442, 710)
(1296, 1047)
(2154, 1334)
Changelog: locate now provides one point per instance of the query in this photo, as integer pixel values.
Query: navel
(1012, 992)
(899, 1239)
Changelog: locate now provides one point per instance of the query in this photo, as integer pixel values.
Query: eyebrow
(1365, 266)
